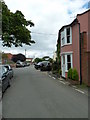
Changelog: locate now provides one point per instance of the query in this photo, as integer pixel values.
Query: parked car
(26, 64)
(38, 65)
(45, 66)
(10, 70)
(19, 64)
(4, 78)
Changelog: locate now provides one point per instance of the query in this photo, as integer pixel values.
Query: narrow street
(33, 94)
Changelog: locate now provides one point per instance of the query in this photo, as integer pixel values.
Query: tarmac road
(34, 94)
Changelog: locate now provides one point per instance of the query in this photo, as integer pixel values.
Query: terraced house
(75, 47)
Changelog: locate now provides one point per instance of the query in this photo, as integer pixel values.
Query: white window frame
(67, 62)
(65, 36)
(71, 55)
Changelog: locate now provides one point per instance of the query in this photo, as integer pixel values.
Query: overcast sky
(48, 16)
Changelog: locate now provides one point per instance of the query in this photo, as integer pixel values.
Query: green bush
(60, 72)
(55, 66)
(70, 73)
(75, 75)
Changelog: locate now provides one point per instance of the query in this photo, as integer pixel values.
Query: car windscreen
(39, 63)
(45, 63)
(2, 70)
(7, 67)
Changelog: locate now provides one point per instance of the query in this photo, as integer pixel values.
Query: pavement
(83, 90)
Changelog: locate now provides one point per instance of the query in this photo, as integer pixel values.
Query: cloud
(49, 16)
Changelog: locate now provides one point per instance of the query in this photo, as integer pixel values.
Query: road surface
(34, 94)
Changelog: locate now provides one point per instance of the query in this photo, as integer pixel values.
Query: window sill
(66, 44)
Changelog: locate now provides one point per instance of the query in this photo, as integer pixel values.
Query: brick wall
(85, 56)
(88, 68)
(9, 55)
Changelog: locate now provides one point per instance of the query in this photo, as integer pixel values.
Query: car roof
(39, 63)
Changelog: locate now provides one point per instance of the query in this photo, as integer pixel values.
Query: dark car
(38, 65)
(45, 66)
(4, 78)
(26, 64)
(10, 70)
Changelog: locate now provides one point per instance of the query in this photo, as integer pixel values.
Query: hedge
(70, 73)
(73, 74)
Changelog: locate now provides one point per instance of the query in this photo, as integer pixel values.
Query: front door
(63, 65)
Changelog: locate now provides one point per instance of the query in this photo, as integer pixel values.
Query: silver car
(10, 70)
(4, 78)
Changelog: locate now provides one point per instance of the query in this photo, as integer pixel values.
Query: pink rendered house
(75, 47)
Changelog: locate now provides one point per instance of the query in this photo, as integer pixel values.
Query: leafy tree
(14, 28)
(4, 56)
(51, 60)
(45, 58)
(58, 50)
(14, 58)
(37, 60)
(17, 57)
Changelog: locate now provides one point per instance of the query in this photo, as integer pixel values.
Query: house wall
(9, 56)
(85, 46)
(74, 48)
(88, 68)
(29, 59)
(84, 57)
(66, 48)
(75, 45)
(89, 32)
(89, 48)
(84, 20)
(85, 26)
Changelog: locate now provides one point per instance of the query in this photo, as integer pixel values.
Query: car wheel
(41, 69)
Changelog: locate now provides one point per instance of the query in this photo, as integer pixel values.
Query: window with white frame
(62, 38)
(68, 35)
(68, 62)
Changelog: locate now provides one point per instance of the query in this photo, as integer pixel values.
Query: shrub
(60, 72)
(55, 66)
(75, 75)
(70, 73)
